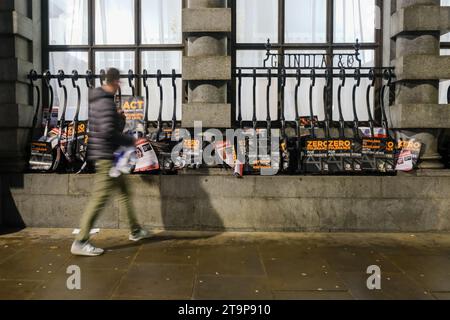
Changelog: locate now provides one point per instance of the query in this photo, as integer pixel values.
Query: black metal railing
(328, 74)
(89, 79)
(356, 152)
(325, 144)
(62, 146)
(277, 69)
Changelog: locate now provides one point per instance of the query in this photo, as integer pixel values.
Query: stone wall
(416, 27)
(207, 63)
(20, 51)
(407, 203)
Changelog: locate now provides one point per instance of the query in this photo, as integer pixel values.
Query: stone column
(416, 26)
(207, 64)
(20, 51)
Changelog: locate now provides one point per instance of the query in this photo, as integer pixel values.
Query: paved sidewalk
(33, 265)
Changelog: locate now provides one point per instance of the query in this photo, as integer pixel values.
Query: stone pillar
(20, 51)
(416, 26)
(207, 64)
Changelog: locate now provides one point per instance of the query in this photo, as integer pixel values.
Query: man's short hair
(112, 75)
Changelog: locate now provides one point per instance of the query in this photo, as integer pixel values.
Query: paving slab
(230, 260)
(96, 284)
(442, 295)
(394, 286)
(312, 295)
(226, 266)
(35, 262)
(17, 290)
(232, 287)
(157, 281)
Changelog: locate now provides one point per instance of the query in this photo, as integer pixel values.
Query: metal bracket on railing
(47, 77)
(297, 107)
(131, 78)
(90, 79)
(161, 101)
(255, 117)
(311, 107)
(343, 79)
(240, 120)
(326, 104)
(283, 103)
(371, 85)
(61, 77)
(357, 84)
(174, 87)
(147, 97)
(33, 77)
(269, 84)
(75, 78)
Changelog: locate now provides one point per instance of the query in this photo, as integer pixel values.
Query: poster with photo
(408, 154)
(134, 111)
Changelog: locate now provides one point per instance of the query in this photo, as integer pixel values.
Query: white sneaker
(85, 249)
(140, 235)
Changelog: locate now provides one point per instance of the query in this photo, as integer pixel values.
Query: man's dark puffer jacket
(105, 126)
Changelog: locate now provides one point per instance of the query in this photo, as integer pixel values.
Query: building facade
(206, 40)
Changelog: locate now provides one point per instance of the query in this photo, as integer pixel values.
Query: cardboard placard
(257, 147)
(408, 154)
(357, 156)
(340, 155)
(387, 156)
(41, 156)
(315, 156)
(134, 111)
(371, 147)
(147, 160)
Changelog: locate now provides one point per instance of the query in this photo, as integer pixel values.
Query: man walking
(105, 137)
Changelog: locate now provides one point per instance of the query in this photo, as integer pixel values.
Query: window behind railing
(304, 26)
(125, 34)
(146, 34)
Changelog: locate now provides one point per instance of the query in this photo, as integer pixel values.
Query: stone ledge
(426, 116)
(445, 19)
(206, 20)
(422, 67)
(17, 24)
(257, 215)
(432, 173)
(207, 68)
(212, 115)
(58, 211)
(378, 204)
(420, 18)
(196, 4)
(414, 185)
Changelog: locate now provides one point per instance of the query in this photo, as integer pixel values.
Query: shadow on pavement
(158, 238)
(10, 218)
